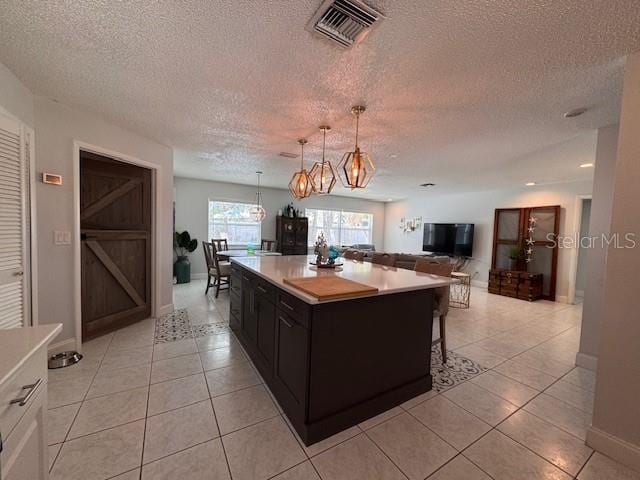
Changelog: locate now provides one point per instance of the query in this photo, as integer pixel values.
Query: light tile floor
(197, 409)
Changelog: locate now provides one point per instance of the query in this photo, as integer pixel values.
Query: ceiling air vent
(288, 155)
(345, 22)
(428, 184)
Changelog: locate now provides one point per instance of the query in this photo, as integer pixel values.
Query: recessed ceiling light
(393, 155)
(586, 165)
(576, 112)
(530, 184)
(389, 199)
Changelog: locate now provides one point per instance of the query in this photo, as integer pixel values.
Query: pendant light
(300, 184)
(356, 168)
(257, 212)
(323, 175)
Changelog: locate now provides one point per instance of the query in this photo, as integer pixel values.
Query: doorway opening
(581, 268)
(116, 243)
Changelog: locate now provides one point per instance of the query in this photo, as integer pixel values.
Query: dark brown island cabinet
(332, 364)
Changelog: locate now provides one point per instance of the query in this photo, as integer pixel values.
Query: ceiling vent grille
(345, 22)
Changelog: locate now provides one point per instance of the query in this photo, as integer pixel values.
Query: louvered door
(12, 224)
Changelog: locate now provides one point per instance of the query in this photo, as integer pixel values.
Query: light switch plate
(62, 237)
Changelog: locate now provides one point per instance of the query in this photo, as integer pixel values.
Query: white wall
(15, 98)
(192, 197)
(57, 126)
(596, 259)
(616, 416)
(478, 208)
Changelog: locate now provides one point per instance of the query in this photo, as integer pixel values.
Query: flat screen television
(454, 239)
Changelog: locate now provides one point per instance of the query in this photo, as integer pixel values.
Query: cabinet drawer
(25, 455)
(34, 370)
(266, 290)
(293, 307)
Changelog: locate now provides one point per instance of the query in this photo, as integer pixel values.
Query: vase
(182, 268)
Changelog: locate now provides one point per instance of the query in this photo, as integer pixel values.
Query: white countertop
(18, 344)
(386, 279)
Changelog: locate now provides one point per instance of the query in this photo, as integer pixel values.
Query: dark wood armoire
(537, 277)
(292, 235)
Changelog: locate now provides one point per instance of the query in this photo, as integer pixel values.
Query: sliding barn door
(115, 223)
(14, 220)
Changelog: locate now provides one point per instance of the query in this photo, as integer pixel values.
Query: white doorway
(583, 231)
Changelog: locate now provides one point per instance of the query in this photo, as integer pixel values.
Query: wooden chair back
(353, 255)
(220, 244)
(385, 259)
(268, 245)
(209, 254)
(441, 294)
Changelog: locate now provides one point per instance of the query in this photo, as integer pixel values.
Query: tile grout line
(215, 417)
(80, 407)
(146, 413)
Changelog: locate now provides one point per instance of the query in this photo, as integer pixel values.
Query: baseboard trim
(165, 309)
(562, 299)
(198, 276)
(63, 346)
(614, 447)
(584, 360)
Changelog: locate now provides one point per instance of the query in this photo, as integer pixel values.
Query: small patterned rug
(456, 370)
(176, 326)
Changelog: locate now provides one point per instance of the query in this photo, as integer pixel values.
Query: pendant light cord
(357, 125)
(302, 157)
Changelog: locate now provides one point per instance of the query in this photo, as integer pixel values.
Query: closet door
(13, 221)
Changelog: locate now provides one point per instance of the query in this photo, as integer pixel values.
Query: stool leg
(443, 338)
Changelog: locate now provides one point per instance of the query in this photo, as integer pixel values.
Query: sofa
(403, 260)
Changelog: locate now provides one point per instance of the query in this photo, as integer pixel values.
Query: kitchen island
(333, 363)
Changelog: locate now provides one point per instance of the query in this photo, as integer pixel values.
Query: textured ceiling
(457, 92)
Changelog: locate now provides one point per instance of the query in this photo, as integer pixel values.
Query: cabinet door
(266, 313)
(249, 317)
(25, 454)
(235, 310)
(291, 362)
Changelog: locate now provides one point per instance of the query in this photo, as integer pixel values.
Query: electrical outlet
(62, 237)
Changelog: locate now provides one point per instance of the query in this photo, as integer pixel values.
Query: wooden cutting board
(329, 287)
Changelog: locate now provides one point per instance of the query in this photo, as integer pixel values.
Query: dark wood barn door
(115, 224)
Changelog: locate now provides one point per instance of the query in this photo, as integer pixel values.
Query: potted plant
(182, 245)
(515, 254)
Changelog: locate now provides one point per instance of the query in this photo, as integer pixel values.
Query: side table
(460, 292)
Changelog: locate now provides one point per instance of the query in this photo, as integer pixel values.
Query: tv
(453, 239)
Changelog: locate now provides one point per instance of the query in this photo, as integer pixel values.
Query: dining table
(243, 252)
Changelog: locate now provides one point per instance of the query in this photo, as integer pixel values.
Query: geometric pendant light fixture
(257, 212)
(323, 175)
(356, 168)
(300, 184)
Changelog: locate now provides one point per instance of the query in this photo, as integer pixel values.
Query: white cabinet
(23, 402)
(26, 448)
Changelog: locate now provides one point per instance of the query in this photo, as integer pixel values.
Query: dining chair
(267, 245)
(385, 259)
(353, 255)
(440, 298)
(220, 243)
(219, 271)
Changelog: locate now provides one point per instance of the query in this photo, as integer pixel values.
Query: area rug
(457, 369)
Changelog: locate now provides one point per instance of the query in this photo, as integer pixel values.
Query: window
(231, 220)
(340, 227)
